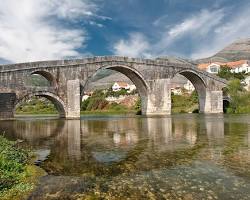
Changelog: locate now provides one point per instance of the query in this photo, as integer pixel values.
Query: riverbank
(98, 104)
(18, 175)
(110, 112)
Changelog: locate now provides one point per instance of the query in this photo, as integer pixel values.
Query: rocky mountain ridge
(238, 50)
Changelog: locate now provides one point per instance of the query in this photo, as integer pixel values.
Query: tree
(240, 98)
(225, 72)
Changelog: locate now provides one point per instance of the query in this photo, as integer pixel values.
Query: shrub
(227, 74)
(36, 106)
(12, 163)
(116, 107)
(112, 93)
(138, 104)
(240, 98)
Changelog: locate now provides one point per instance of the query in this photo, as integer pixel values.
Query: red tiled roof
(122, 84)
(235, 64)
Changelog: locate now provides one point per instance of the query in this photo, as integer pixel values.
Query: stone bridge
(68, 78)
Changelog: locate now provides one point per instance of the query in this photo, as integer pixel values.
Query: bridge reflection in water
(112, 152)
(77, 139)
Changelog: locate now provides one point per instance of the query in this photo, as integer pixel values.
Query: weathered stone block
(7, 105)
(73, 99)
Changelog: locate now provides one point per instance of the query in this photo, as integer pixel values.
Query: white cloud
(199, 24)
(72, 8)
(29, 29)
(195, 27)
(136, 46)
(206, 32)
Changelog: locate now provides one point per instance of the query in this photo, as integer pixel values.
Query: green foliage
(112, 93)
(228, 75)
(84, 104)
(194, 97)
(116, 107)
(18, 176)
(240, 98)
(138, 105)
(185, 103)
(96, 102)
(12, 163)
(36, 106)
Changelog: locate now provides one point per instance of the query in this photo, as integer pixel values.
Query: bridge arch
(199, 85)
(135, 76)
(58, 103)
(47, 75)
(226, 99)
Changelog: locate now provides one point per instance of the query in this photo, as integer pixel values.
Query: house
(120, 85)
(236, 66)
(212, 68)
(239, 66)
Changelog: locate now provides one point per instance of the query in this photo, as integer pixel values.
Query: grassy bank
(109, 112)
(185, 103)
(36, 106)
(18, 176)
(97, 104)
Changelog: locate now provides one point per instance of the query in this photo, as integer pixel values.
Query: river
(184, 156)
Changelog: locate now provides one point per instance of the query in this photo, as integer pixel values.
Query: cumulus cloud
(29, 30)
(135, 46)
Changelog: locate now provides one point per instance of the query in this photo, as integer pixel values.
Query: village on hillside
(240, 66)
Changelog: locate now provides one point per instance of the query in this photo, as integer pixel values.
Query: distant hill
(238, 50)
(101, 81)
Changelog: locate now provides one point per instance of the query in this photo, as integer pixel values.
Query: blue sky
(32, 30)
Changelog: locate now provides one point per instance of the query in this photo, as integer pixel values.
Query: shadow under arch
(47, 75)
(226, 99)
(137, 78)
(58, 103)
(199, 85)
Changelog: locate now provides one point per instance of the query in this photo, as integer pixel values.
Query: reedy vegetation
(239, 96)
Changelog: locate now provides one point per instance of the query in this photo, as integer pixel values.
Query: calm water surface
(178, 157)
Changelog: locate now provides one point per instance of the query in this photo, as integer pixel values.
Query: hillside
(238, 50)
(112, 76)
